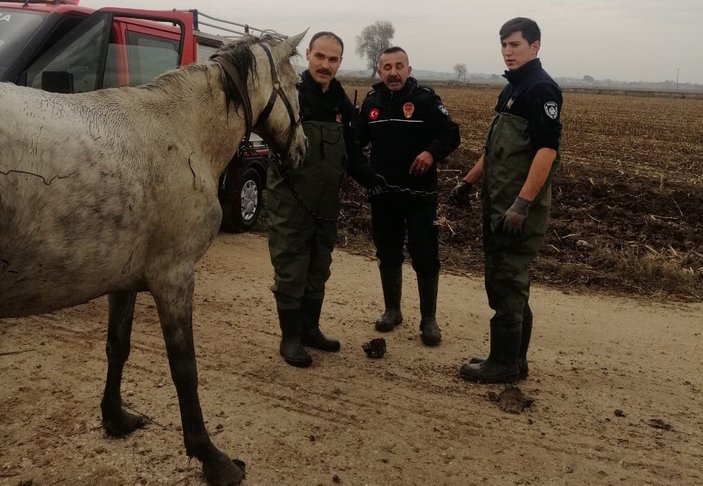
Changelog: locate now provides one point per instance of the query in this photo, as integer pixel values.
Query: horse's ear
(288, 46)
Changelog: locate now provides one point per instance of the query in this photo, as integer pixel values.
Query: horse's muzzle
(296, 150)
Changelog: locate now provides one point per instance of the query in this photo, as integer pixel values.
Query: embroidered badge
(551, 109)
(408, 109)
(444, 110)
(373, 113)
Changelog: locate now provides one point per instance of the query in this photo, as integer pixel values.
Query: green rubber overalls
(300, 244)
(507, 160)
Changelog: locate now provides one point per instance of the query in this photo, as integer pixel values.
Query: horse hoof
(124, 424)
(223, 471)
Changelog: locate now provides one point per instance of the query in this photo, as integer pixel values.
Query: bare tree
(372, 41)
(460, 70)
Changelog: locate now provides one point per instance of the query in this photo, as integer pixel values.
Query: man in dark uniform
(303, 205)
(410, 131)
(519, 159)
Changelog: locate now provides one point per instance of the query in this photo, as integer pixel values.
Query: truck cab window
(16, 28)
(79, 58)
(148, 56)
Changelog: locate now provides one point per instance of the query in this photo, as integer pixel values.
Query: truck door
(115, 47)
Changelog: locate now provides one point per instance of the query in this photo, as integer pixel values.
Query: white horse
(115, 191)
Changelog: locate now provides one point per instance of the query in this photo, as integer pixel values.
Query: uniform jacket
(399, 125)
(533, 95)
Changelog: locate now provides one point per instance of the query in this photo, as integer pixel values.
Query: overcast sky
(625, 40)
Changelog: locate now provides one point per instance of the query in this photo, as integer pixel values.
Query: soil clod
(375, 348)
(511, 399)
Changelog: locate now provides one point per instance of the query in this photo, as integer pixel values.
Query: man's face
(394, 70)
(517, 51)
(324, 59)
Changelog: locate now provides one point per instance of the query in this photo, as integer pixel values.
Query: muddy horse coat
(115, 191)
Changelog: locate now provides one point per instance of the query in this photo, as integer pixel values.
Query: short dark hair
(325, 33)
(391, 50)
(528, 27)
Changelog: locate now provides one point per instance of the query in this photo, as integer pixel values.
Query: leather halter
(241, 87)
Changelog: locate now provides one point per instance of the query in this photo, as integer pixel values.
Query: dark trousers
(390, 223)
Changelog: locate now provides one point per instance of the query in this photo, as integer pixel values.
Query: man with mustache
(410, 132)
(519, 159)
(303, 205)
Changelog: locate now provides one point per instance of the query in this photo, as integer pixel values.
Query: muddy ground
(616, 384)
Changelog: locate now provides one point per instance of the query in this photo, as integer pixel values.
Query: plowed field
(627, 212)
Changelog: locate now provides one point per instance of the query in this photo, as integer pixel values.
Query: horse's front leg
(174, 299)
(116, 421)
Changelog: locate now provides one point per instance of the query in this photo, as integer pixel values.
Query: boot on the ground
(501, 365)
(429, 330)
(291, 347)
(310, 333)
(524, 344)
(392, 284)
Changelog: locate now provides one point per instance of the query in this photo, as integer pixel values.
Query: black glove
(460, 193)
(514, 218)
(379, 186)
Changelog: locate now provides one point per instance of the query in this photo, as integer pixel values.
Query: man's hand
(421, 164)
(460, 194)
(513, 221)
(380, 185)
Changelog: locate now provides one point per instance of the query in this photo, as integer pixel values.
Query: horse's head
(260, 79)
(277, 118)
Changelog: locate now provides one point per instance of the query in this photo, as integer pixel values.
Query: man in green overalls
(519, 159)
(303, 204)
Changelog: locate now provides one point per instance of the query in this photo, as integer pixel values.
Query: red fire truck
(62, 47)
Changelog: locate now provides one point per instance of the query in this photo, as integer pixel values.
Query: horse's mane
(242, 59)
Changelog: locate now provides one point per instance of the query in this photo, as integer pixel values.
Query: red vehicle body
(62, 47)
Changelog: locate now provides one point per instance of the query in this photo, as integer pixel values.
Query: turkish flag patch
(373, 113)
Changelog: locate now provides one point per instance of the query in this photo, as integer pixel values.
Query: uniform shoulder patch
(551, 109)
(443, 109)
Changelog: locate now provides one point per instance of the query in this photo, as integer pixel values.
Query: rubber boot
(429, 330)
(291, 347)
(392, 284)
(524, 344)
(310, 333)
(501, 365)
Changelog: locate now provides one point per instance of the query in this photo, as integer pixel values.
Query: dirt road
(406, 419)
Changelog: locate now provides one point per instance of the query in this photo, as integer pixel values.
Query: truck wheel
(252, 196)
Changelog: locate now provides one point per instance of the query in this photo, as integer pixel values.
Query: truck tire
(252, 198)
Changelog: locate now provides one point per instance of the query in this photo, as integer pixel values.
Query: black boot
(501, 365)
(524, 344)
(291, 348)
(392, 283)
(310, 333)
(429, 330)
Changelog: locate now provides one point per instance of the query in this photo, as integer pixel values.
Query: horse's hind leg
(116, 421)
(174, 300)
